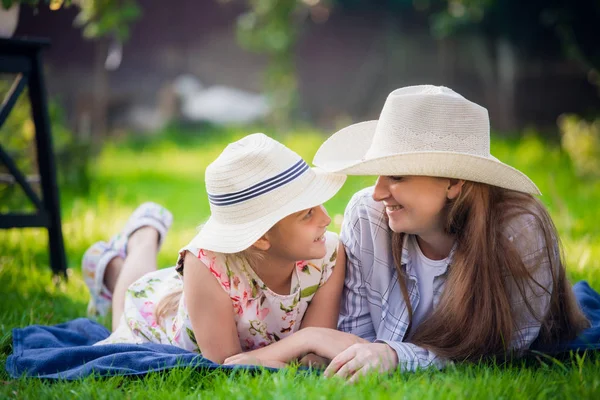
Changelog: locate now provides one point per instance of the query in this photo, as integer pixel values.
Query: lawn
(169, 169)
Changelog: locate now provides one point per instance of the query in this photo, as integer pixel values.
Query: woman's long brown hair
(474, 318)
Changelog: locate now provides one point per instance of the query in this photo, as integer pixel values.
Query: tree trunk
(100, 92)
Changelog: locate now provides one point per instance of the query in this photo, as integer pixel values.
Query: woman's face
(413, 204)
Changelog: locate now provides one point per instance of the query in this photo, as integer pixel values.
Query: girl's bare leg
(142, 248)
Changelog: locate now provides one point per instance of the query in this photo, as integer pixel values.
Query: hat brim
(232, 238)
(345, 152)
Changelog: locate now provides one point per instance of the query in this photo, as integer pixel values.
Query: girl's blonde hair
(474, 318)
(170, 302)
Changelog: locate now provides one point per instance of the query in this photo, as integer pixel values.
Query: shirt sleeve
(529, 240)
(412, 357)
(354, 316)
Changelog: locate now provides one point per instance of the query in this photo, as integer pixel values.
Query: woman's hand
(360, 359)
(249, 359)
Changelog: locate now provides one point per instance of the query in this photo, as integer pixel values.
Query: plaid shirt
(372, 304)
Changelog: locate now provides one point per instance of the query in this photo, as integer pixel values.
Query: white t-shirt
(426, 270)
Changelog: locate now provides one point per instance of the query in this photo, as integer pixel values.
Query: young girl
(450, 257)
(260, 269)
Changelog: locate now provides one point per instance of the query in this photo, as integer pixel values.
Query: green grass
(169, 169)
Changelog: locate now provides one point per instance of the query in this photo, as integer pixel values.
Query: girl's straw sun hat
(422, 130)
(254, 183)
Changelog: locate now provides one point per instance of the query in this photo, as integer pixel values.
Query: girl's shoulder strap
(219, 265)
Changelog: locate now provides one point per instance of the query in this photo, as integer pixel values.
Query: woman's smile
(391, 210)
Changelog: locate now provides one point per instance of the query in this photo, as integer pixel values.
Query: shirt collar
(407, 260)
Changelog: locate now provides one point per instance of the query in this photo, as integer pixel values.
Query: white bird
(220, 105)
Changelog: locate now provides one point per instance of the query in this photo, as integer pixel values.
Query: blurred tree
(271, 27)
(107, 22)
(543, 27)
(499, 33)
(98, 18)
(534, 25)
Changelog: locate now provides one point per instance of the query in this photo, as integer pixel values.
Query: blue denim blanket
(589, 301)
(65, 351)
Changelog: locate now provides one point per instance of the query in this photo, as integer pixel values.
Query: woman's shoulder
(523, 225)
(524, 216)
(532, 235)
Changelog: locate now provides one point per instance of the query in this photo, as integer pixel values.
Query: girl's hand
(359, 359)
(248, 359)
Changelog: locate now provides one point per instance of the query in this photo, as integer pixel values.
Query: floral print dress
(261, 315)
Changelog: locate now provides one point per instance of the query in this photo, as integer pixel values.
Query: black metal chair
(24, 58)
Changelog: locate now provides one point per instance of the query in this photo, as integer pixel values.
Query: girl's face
(300, 236)
(414, 204)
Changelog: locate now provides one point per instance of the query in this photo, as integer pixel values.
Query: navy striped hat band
(266, 186)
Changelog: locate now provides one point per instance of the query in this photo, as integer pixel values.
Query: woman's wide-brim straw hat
(422, 130)
(254, 183)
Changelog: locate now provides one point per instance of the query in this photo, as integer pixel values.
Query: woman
(449, 255)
